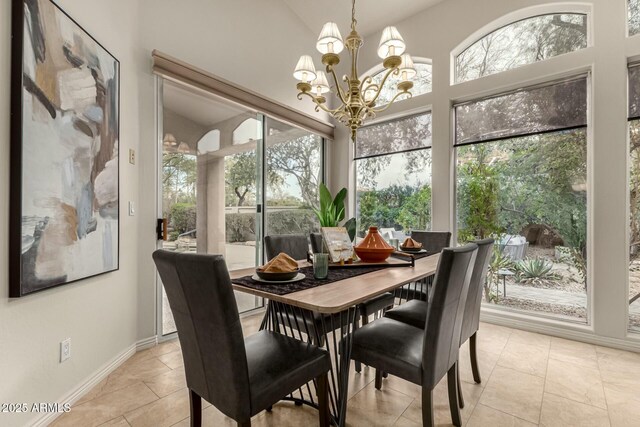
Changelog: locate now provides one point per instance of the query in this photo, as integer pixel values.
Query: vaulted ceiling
(372, 15)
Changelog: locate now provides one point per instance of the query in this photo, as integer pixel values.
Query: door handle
(161, 229)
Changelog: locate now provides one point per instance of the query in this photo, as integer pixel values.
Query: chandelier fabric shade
(391, 43)
(305, 70)
(330, 40)
(407, 68)
(356, 101)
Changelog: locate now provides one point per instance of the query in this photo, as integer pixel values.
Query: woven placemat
(308, 283)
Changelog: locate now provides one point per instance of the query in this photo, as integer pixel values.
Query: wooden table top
(338, 296)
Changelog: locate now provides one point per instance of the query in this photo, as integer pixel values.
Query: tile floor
(528, 379)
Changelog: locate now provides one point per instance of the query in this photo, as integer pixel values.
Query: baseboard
(92, 380)
(567, 331)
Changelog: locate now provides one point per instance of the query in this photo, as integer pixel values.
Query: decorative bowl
(276, 277)
(411, 250)
(373, 247)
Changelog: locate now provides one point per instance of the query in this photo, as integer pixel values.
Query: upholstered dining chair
(424, 356)
(432, 242)
(414, 312)
(294, 245)
(240, 377)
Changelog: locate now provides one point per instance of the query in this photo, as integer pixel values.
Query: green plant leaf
(325, 197)
(350, 225)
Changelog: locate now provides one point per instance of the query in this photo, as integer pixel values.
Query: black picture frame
(17, 286)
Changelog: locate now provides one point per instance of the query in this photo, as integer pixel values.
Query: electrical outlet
(132, 156)
(65, 350)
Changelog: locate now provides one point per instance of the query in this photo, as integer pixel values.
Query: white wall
(99, 314)
(252, 43)
(434, 33)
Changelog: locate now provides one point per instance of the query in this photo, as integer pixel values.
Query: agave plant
(332, 210)
(535, 270)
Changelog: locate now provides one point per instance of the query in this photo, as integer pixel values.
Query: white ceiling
(197, 106)
(372, 15)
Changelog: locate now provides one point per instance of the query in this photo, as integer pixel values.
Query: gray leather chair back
(204, 308)
(471, 322)
(316, 242)
(432, 241)
(294, 245)
(445, 312)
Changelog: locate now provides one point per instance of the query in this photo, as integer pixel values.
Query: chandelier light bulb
(320, 84)
(330, 40)
(407, 68)
(305, 70)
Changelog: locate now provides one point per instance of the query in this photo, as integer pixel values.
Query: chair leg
(428, 420)
(378, 379)
(460, 397)
(195, 404)
(357, 364)
(244, 424)
(323, 400)
(474, 358)
(452, 383)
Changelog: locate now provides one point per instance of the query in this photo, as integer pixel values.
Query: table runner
(309, 282)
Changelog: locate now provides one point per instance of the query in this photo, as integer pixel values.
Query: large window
(393, 175)
(634, 17)
(522, 178)
(634, 197)
(520, 43)
(421, 83)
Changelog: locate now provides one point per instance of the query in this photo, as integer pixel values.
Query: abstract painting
(64, 202)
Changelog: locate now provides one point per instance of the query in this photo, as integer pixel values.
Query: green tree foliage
(183, 217)
(179, 176)
(478, 188)
(240, 172)
(415, 212)
(301, 159)
(397, 206)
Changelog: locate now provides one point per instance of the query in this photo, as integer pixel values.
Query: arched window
(520, 43)
(209, 142)
(421, 82)
(247, 131)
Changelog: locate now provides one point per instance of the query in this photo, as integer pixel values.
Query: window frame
(515, 17)
(493, 309)
(353, 173)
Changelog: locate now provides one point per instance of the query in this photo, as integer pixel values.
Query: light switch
(132, 209)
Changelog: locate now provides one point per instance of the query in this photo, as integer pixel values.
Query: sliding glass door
(211, 183)
(229, 176)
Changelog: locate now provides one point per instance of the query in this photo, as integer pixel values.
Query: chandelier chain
(353, 15)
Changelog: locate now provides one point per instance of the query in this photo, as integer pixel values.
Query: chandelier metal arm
(339, 90)
(318, 103)
(381, 84)
(399, 94)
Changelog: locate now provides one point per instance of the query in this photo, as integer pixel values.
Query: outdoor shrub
(292, 221)
(183, 217)
(534, 270)
(498, 262)
(240, 227)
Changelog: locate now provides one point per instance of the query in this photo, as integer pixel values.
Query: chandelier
(358, 99)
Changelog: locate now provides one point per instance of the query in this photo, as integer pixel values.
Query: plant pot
(373, 247)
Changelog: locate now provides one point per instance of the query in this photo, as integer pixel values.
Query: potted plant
(332, 211)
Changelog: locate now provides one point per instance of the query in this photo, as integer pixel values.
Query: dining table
(325, 313)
